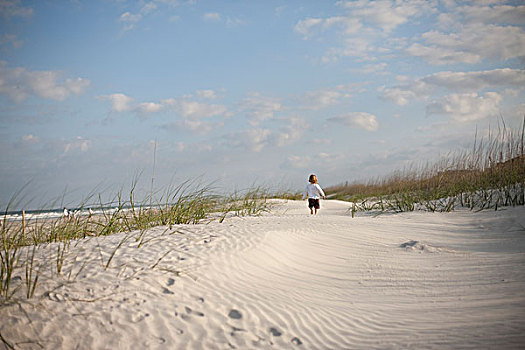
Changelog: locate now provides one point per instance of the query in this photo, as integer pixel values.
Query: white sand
(287, 280)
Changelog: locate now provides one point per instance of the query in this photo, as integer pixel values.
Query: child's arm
(305, 193)
(321, 191)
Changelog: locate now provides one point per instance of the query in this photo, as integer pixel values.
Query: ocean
(31, 215)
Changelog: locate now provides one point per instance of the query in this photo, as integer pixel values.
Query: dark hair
(312, 179)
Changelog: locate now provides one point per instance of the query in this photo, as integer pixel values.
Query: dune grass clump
(489, 176)
(251, 202)
(186, 203)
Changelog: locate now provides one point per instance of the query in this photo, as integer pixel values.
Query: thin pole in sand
(153, 173)
(24, 224)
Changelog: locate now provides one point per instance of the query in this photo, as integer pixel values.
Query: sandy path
(288, 280)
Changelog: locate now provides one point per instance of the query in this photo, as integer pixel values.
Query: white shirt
(313, 191)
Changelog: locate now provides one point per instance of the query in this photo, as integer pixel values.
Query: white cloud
(212, 16)
(19, 84)
(402, 78)
(360, 120)
(378, 68)
(349, 25)
(207, 94)
(253, 139)
(44, 84)
(403, 94)
(148, 7)
(76, 86)
(196, 126)
(304, 27)
(472, 44)
(188, 112)
(14, 8)
(175, 3)
(130, 19)
(234, 22)
(469, 34)
(259, 138)
(150, 108)
(477, 80)
(228, 21)
(440, 56)
(494, 14)
(363, 30)
(119, 102)
(472, 33)
(387, 14)
(422, 88)
(292, 132)
(77, 144)
(185, 107)
(467, 107)
(197, 110)
(399, 96)
(258, 108)
(362, 47)
(322, 98)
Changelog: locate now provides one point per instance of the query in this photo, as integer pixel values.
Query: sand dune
(288, 280)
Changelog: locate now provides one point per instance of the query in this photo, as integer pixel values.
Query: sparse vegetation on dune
(489, 176)
(186, 203)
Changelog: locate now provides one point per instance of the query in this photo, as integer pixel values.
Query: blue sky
(244, 92)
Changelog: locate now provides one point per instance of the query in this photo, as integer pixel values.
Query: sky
(95, 94)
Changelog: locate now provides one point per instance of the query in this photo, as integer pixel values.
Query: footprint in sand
(154, 341)
(418, 246)
(235, 314)
(275, 332)
(296, 341)
(409, 244)
(236, 330)
(190, 312)
(139, 318)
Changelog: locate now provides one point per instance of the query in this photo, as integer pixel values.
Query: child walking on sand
(313, 192)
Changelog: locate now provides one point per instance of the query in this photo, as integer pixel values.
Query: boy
(314, 192)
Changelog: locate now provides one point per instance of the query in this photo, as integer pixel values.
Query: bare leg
(311, 211)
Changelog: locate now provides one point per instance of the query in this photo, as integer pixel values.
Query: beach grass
(489, 176)
(187, 203)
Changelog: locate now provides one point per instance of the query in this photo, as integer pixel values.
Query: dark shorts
(313, 203)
